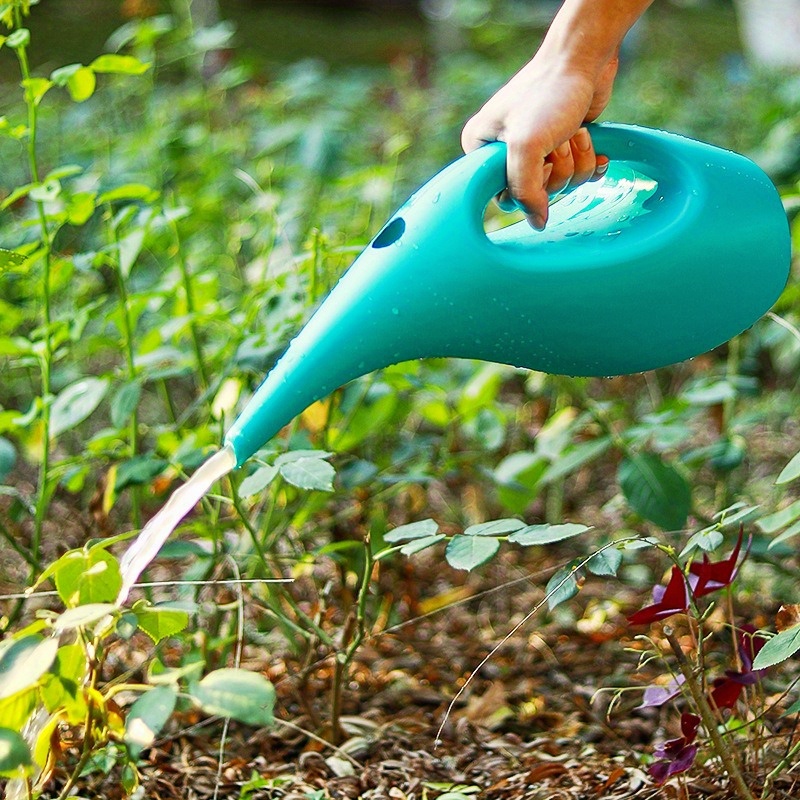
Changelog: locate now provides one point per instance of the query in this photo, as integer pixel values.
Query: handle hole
(391, 232)
(495, 219)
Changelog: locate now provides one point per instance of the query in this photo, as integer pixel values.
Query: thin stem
(188, 291)
(43, 494)
(127, 330)
(707, 715)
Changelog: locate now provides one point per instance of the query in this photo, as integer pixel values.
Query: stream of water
(146, 545)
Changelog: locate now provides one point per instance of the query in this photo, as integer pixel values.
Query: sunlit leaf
(309, 473)
(791, 471)
(24, 661)
(418, 545)
(236, 693)
(121, 65)
(125, 402)
(147, 717)
(605, 562)
(546, 534)
(779, 648)
(14, 753)
(413, 530)
(257, 481)
(83, 616)
(75, 403)
(160, 623)
(469, 552)
(496, 527)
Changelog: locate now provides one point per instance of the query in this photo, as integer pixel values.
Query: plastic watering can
(680, 247)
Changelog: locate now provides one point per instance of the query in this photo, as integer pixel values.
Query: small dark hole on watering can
(391, 233)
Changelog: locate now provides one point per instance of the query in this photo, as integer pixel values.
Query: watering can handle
(485, 167)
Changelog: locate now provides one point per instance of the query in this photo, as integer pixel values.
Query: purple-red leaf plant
(706, 576)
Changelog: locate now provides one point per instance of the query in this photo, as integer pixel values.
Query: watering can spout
(651, 265)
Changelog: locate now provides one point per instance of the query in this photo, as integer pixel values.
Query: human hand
(540, 114)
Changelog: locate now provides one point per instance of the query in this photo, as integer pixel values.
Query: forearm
(586, 34)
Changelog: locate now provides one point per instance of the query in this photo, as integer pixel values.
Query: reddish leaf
(709, 576)
(726, 692)
(669, 600)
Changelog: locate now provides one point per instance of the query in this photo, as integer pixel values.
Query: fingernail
(537, 221)
(563, 150)
(582, 140)
(601, 168)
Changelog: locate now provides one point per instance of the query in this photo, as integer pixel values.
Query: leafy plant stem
(43, 494)
(766, 792)
(707, 715)
(128, 348)
(352, 636)
(186, 278)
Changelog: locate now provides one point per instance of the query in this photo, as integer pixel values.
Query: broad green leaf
(160, 623)
(81, 84)
(14, 753)
(124, 403)
(257, 481)
(574, 458)
(45, 192)
(789, 473)
(8, 457)
(62, 686)
(83, 616)
(707, 539)
(236, 693)
(138, 471)
(496, 527)
(546, 534)
(75, 403)
(297, 455)
(8, 258)
(19, 38)
(709, 392)
(121, 65)
(655, 490)
(36, 89)
(82, 577)
(789, 533)
(147, 717)
(17, 709)
(561, 587)
(80, 208)
(777, 649)
(794, 708)
(780, 519)
(309, 473)
(128, 191)
(413, 530)
(24, 661)
(605, 562)
(418, 545)
(468, 552)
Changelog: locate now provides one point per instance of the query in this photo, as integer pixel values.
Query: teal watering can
(680, 247)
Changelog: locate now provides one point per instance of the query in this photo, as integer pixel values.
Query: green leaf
(120, 65)
(777, 649)
(138, 471)
(561, 587)
(147, 717)
(794, 708)
(83, 577)
(789, 533)
(83, 616)
(125, 402)
(297, 455)
(19, 38)
(605, 562)
(8, 258)
(8, 457)
(81, 84)
(418, 545)
(17, 709)
(496, 527)
(789, 473)
(23, 661)
(46, 191)
(160, 623)
(772, 523)
(257, 481)
(574, 458)
(468, 552)
(81, 207)
(128, 191)
(413, 530)
(546, 534)
(236, 693)
(309, 473)
(61, 688)
(14, 753)
(707, 539)
(655, 490)
(75, 403)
